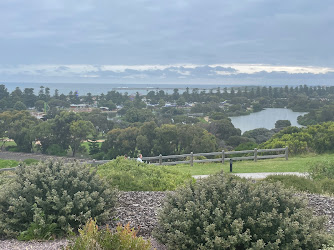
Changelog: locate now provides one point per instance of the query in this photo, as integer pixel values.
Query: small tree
(282, 124)
(94, 146)
(79, 131)
(39, 105)
(20, 106)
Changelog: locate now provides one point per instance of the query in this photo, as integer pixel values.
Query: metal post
(160, 159)
(191, 159)
(286, 153)
(255, 154)
(231, 163)
(223, 156)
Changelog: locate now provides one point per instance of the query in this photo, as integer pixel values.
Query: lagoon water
(265, 119)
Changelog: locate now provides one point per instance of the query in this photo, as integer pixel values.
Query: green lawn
(8, 163)
(294, 164)
(7, 143)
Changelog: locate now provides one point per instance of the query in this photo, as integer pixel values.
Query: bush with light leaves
(51, 199)
(223, 212)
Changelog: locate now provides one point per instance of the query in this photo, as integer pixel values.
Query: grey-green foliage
(65, 195)
(222, 212)
(322, 170)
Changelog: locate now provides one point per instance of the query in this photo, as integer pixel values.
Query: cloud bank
(214, 73)
(150, 40)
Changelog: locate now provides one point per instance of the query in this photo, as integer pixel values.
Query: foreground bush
(124, 238)
(130, 175)
(221, 212)
(51, 199)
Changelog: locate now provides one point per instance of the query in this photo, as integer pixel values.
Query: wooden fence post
(160, 159)
(191, 159)
(286, 153)
(255, 154)
(223, 156)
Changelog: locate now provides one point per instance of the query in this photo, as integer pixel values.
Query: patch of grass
(30, 161)
(8, 143)
(8, 163)
(294, 164)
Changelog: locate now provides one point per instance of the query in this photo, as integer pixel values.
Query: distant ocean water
(98, 88)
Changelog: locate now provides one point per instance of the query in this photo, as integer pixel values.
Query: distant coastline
(141, 88)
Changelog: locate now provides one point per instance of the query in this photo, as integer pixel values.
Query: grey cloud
(162, 32)
(61, 68)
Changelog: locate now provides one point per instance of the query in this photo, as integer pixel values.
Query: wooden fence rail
(191, 157)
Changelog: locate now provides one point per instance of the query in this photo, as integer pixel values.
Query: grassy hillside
(294, 164)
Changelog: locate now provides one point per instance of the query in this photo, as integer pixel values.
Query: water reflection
(265, 119)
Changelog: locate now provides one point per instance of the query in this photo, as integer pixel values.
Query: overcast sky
(167, 41)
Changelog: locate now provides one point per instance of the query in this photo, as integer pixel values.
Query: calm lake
(265, 119)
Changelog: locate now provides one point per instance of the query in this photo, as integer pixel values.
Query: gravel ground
(140, 209)
(323, 205)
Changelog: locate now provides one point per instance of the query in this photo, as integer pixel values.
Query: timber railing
(191, 158)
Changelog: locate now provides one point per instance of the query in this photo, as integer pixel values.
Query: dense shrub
(259, 134)
(30, 161)
(297, 182)
(13, 149)
(131, 175)
(98, 156)
(322, 170)
(124, 238)
(52, 198)
(317, 138)
(327, 185)
(56, 149)
(221, 212)
(323, 186)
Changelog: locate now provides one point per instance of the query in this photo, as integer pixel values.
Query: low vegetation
(8, 163)
(320, 179)
(304, 184)
(301, 163)
(131, 175)
(223, 212)
(123, 238)
(316, 138)
(50, 199)
(323, 169)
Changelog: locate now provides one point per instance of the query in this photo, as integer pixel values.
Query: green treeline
(316, 138)
(158, 122)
